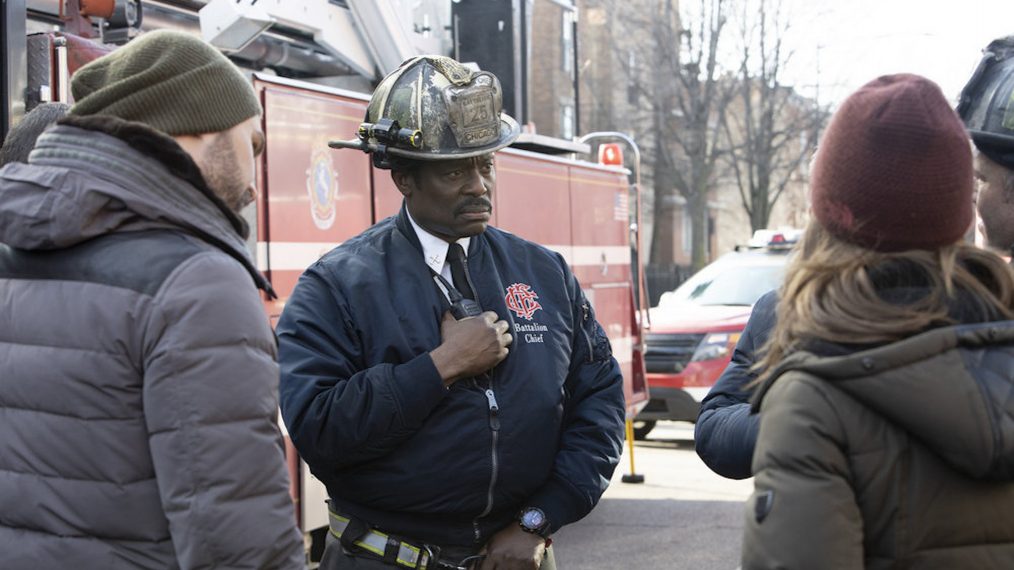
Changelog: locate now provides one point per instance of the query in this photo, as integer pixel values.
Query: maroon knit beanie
(894, 169)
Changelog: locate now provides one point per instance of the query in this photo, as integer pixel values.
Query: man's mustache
(474, 205)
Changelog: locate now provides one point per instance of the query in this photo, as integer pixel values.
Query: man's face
(450, 198)
(228, 164)
(995, 202)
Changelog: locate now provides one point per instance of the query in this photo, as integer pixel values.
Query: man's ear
(404, 181)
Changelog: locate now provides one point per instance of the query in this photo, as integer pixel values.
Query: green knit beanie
(171, 81)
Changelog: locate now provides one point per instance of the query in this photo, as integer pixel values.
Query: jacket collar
(162, 148)
(948, 387)
(895, 355)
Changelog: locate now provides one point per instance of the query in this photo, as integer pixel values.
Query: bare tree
(703, 98)
(685, 94)
(701, 124)
(771, 129)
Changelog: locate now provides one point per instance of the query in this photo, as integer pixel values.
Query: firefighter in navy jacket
(726, 430)
(476, 437)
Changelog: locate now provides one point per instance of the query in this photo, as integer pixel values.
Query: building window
(567, 121)
(688, 231)
(711, 236)
(567, 37)
(633, 90)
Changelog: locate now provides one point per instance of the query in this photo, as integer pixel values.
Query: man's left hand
(514, 549)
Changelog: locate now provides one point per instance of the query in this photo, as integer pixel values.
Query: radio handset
(461, 308)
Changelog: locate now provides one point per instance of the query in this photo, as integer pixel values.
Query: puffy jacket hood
(82, 182)
(951, 388)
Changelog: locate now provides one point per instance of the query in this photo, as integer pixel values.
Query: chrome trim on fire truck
(572, 162)
(296, 83)
(298, 255)
(291, 255)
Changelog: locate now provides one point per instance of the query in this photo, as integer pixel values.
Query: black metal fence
(662, 277)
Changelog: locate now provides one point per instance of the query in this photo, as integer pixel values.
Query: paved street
(682, 516)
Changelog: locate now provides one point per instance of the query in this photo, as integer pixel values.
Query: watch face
(533, 518)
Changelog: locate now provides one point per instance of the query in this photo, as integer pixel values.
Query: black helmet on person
(434, 108)
(986, 104)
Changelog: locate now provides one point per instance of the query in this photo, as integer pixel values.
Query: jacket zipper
(584, 331)
(494, 426)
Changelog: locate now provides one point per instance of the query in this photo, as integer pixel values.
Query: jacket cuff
(419, 388)
(559, 502)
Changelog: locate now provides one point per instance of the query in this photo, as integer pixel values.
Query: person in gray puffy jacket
(138, 383)
(21, 138)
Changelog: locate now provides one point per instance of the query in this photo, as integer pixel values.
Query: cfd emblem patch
(522, 300)
(322, 186)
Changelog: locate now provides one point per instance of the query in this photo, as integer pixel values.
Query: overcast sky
(858, 40)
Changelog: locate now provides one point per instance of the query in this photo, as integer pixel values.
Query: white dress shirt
(435, 249)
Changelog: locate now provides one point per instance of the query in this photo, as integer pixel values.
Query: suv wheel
(642, 428)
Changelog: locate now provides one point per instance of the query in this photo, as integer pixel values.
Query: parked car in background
(695, 327)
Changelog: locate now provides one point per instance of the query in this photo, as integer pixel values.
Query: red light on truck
(611, 154)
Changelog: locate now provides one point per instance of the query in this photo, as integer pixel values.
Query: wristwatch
(533, 520)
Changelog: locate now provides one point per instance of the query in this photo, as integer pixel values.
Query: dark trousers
(336, 559)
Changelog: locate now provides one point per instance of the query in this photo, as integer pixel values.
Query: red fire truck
(313, 198)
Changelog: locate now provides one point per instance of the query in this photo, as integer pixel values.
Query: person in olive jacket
(886, 412)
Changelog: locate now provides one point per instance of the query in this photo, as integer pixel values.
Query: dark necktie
(459, 270)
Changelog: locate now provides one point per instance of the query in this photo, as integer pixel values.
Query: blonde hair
(830, 295)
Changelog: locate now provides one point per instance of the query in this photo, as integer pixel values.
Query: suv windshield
(736, 279)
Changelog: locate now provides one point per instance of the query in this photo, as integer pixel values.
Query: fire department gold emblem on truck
(522, 300)
(322, 186)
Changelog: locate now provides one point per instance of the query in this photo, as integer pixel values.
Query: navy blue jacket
(726, 431)
(367, 410)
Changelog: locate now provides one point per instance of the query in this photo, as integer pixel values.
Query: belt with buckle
(392, 550)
